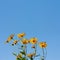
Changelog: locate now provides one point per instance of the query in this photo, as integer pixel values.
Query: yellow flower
(25, 41)
(31, 55)
(10, 38)
(43, 44)
(21, 35)
(15, 42)
(33, 40)
(33, 47)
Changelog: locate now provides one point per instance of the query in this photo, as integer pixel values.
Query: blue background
(40, 18)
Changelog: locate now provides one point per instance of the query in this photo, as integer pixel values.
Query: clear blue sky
(40, 18)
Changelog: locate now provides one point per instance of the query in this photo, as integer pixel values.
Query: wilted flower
(43, 44)
(21, 35)
(33, 46)
(15, 42)
(31, 55)
(33, 40)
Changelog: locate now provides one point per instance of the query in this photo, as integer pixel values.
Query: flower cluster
(23, 55)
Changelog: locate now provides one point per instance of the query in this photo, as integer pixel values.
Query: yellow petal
(20, 35)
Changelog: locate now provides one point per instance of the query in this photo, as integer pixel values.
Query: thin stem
(25, 51)
(34, 52)
(43, 53)
(31, 58)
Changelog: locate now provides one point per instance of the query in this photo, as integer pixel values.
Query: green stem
(43, 53)
(25, 51)
(31, 58)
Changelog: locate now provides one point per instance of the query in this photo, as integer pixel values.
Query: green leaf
(23, 58)
(37, 55)
(18, 59)
(14, 54)
(22, 52)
